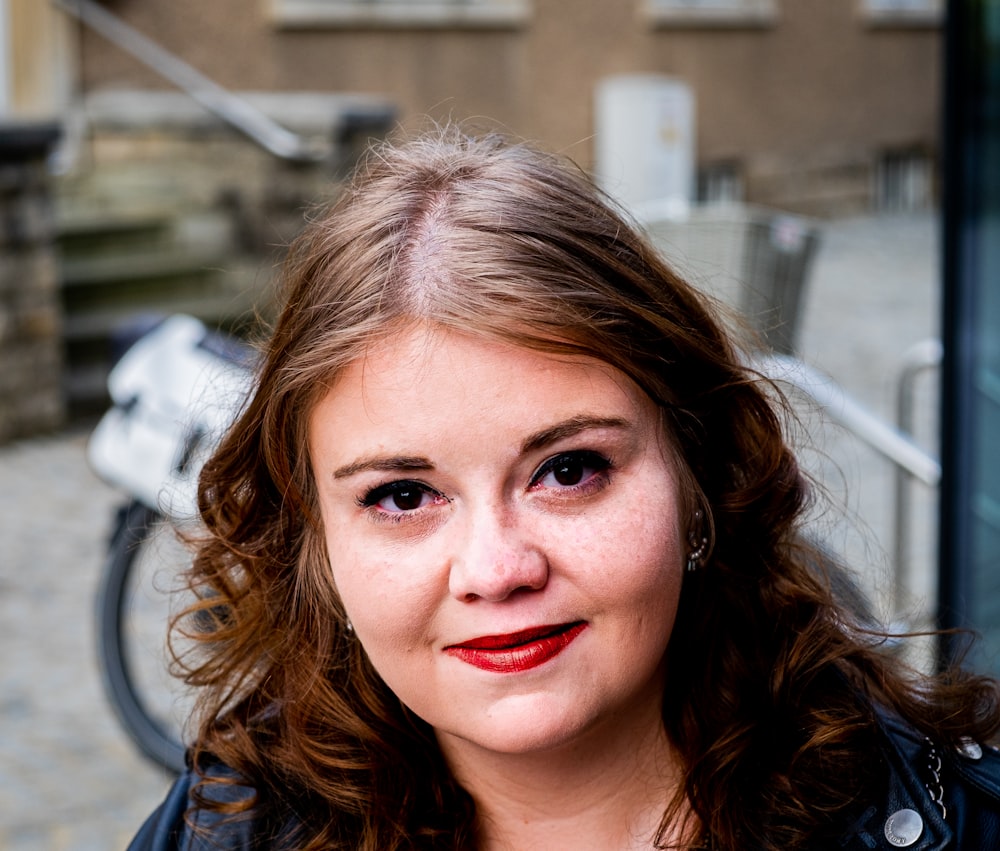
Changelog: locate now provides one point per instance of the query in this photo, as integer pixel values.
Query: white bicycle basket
(173, 397)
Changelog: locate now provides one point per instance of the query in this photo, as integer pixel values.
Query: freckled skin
(488, 535)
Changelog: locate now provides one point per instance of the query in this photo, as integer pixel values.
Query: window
(916, 12)
(720, 183)
(395, 13)
(904, 181)
(711, 12)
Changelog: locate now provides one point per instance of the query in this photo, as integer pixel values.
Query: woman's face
(503, 530)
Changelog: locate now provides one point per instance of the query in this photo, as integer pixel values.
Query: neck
(607, 790)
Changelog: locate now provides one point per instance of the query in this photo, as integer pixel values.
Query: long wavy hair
(773, 684)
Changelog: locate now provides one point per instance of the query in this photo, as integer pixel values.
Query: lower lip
(523, 657)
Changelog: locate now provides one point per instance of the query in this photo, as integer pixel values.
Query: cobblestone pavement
(69, 778)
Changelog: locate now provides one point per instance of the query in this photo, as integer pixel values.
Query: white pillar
(5, 60)
(644, 143)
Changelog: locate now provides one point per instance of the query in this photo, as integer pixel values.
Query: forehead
(426, 374)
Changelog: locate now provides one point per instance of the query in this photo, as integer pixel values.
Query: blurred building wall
(34, 53)
(803, 105)
(40, 59)
(31, 398)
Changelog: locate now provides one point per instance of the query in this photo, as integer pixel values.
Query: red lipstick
(517, 651)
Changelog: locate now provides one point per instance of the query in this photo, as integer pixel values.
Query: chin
(528, 730)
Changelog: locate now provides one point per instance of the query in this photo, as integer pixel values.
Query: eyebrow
(538, 440)
(569, 428)
(389, 463)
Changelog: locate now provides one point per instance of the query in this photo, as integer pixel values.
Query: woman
(505, 552)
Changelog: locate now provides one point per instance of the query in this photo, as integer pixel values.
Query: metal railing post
(918, 358)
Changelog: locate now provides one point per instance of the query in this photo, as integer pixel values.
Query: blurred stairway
(121, 260)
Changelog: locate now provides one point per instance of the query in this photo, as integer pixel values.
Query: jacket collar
(907, 816)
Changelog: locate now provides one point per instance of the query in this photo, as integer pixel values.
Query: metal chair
(755, 260)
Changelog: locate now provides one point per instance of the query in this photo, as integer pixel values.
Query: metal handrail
(231, 108)
(887, 440)
(894, 443)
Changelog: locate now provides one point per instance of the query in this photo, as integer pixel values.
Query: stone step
(89, 347)
(89, 233)
(138, 240)
(115, 265)
(115, 277)
(222, 309)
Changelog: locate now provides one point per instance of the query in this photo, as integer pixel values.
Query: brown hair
(773, 686)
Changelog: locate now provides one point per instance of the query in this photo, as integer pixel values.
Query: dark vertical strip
(958, 283)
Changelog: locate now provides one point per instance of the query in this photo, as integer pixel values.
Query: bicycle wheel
(139, 591)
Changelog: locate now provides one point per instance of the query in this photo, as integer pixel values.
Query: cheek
(388, 599)
(634, 566)
(644, 545)
(654, 562)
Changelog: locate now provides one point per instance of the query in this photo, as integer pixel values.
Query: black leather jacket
(935, 800)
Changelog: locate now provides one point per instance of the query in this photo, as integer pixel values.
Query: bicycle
(174, 392)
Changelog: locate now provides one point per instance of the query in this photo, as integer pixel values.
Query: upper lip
(507, 640)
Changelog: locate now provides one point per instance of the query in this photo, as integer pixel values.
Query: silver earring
(696, 555)
(349, 626)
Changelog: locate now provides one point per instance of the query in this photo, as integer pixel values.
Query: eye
(572, 470)
(401, 497)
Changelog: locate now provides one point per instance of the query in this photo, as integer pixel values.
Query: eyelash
(598, 464)
(371, 498)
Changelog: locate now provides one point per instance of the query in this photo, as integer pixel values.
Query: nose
(496, 557)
